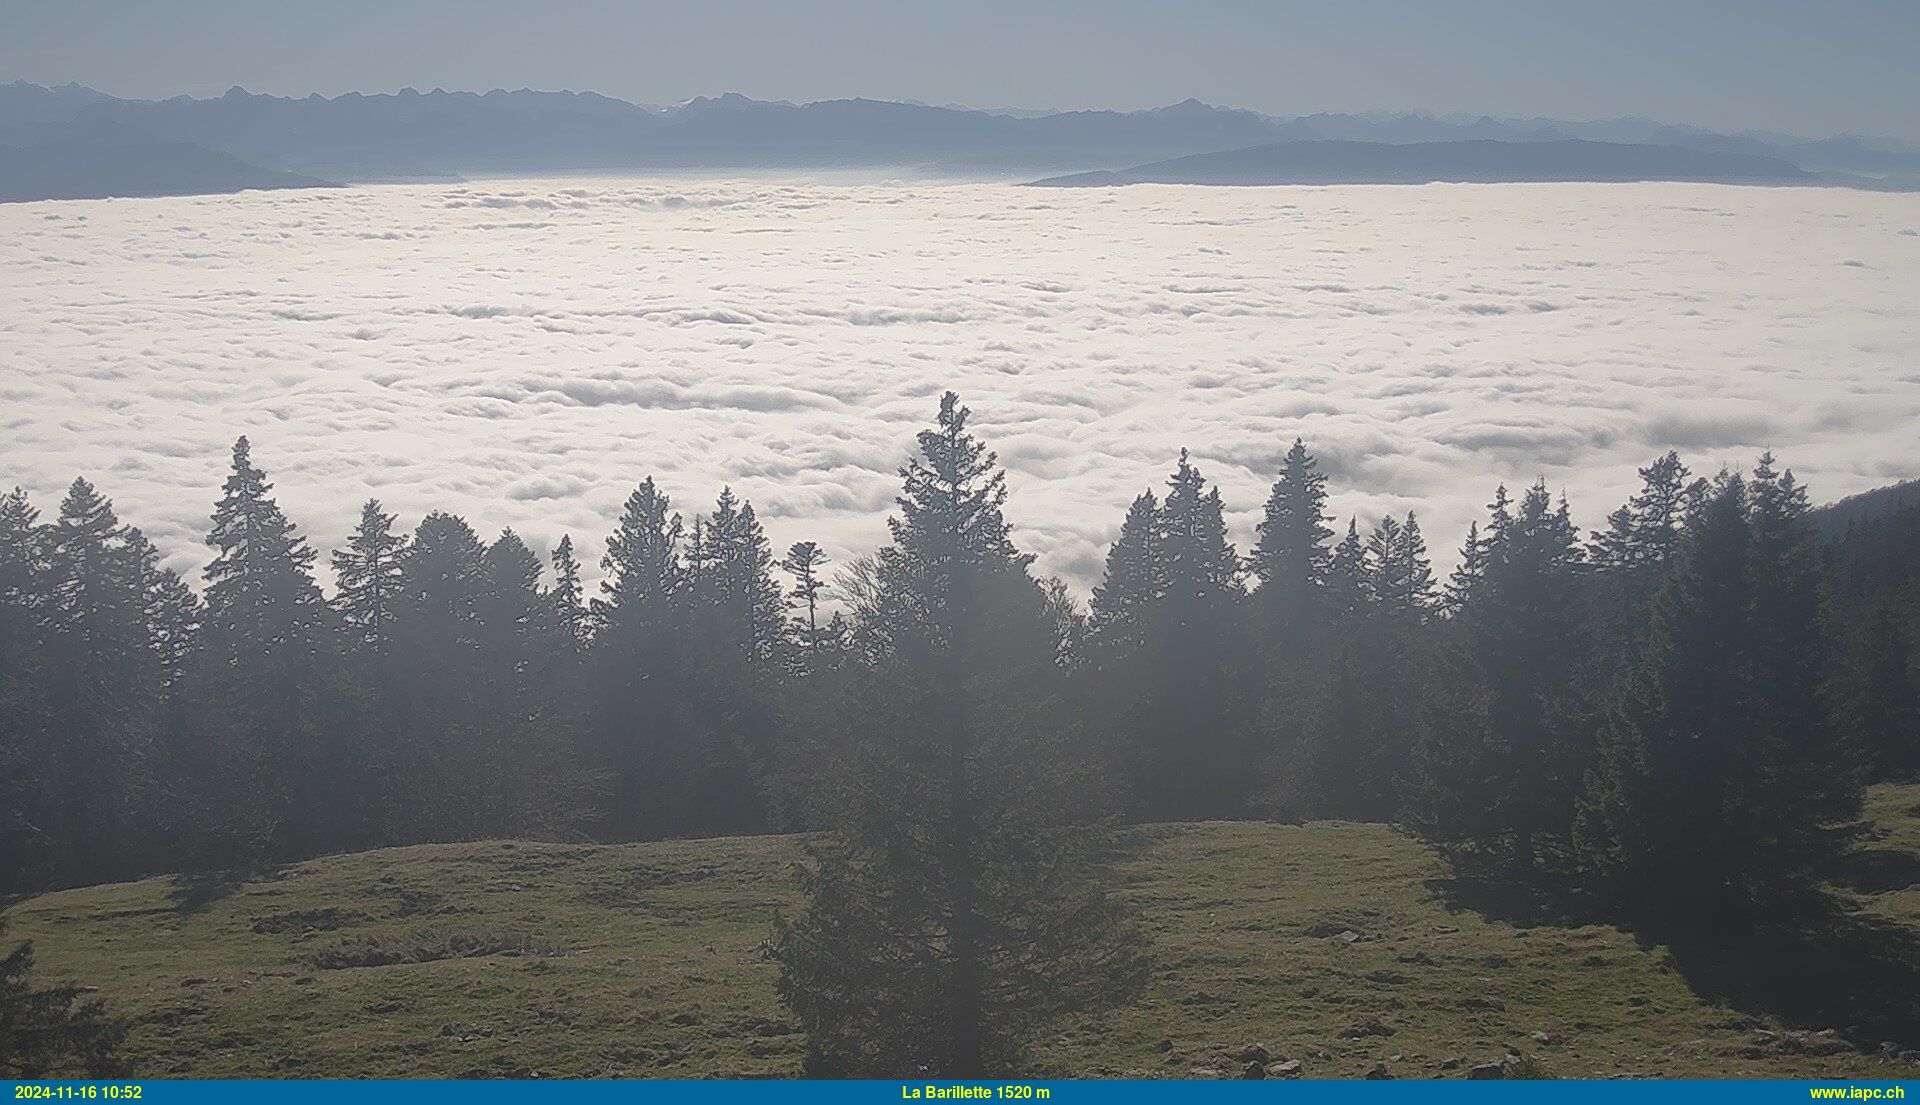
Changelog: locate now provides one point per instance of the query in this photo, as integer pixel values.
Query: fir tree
(1647, 529)
(803, 562)
(733, 583)
(1399, 577)
(441, 713)
(51, 1032)
(525, 659)
(25, 858)
(1721, 778)
(1467, 573)
(639, 629)
(173, 613)
(737, 641)
(645, 572)
(1133, 586)
(1290, 558)
(959, 906)
(1348, 591)
(568, 595)
(1500, 767)
(367, 578)
(270, 761)
(102, 681)
(1879, 686)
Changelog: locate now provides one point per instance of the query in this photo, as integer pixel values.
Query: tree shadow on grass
(1819, 962)
(1552, 903)
(1849, 971)
(192, 893)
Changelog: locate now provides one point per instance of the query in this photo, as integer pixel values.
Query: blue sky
(1812, 66)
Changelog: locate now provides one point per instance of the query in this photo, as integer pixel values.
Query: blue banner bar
(257, 1092)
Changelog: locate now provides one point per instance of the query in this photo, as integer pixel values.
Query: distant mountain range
(1472, 161)
(71, 170)
(451, 135)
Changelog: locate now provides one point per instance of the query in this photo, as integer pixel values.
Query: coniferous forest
(1673, 714)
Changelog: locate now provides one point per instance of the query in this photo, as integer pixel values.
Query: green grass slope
(1339, 945)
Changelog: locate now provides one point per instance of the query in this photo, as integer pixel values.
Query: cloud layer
(523, 352)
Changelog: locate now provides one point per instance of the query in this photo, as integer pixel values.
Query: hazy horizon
(1721, 65)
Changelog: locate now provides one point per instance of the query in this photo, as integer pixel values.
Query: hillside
(90, 169)
(1482, 162)
(1335, 944)
(1834, 519)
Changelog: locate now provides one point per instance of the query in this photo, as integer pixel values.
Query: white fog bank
(523, 352)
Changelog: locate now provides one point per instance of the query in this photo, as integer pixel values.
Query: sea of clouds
(523, 352)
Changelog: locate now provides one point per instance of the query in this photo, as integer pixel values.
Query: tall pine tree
(960, 903)
(268, 770)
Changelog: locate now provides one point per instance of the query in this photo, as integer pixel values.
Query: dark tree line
(1679, 709)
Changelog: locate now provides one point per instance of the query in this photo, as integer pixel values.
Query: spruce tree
(1197, 712)
(1723, 783)
(1345, 739)
(51, 1032)
(1465, 574)
(738, 651)
(367, 579)
(1348, 589)
(173, 614)
(803, 562)
(960, 903)
(102, 687)
(25, 856)
(269, 772)
(568, 594)
(1290, 558)
(441, 713)
(734, 585)
(1399, 577)
(1501, 764)
(524, 661)
(639, 631)
(1627, 560)
(1879, 688)
(1133, 586)
(1647, 529)
(645, 572)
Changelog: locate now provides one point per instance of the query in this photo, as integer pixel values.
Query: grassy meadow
(1340, 947)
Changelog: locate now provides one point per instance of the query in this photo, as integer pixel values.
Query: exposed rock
(1254, 1069)
(1483, 1071)
(1379, 1071)
(1547, 1039)
(1165, 1044)
(1253, 1053)
(1369, 1027)
(1288, 1069)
